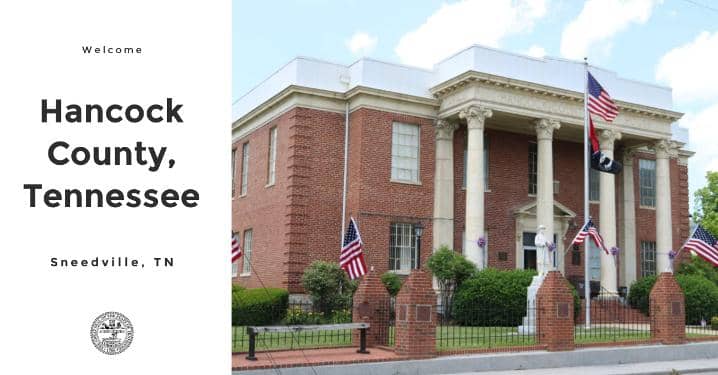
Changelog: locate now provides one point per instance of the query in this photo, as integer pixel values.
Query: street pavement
(698, 366)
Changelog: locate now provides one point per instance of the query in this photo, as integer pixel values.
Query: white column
(665, 149)
(628, 252)
(475, 117)
(544, 188)
(443, 228)
(607, 216)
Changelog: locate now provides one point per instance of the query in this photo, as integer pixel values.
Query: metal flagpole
(344, 181)
(586, 166)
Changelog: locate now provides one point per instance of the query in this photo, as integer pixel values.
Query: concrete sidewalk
(646, 359)
(696, 366)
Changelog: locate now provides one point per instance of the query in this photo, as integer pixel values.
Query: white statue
(543, 265)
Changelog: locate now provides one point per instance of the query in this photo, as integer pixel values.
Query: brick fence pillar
(554, 315)
(668, 310)
(416, 316)
(371, 304)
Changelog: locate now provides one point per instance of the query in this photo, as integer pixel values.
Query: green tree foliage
(328, 285)
(698, 266)
(700, 293)
(706, 199)
(451, 270)
(392, 282)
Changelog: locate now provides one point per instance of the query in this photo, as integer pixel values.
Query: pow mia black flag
(599, 161)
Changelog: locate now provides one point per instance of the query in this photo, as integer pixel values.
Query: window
(405, 152)
(271, 166)
(486, 164)
(247, 252)
(648, 258)
(245, 169)
(402, 251)
(533, 168)
(235, 268)
(647, 182)
(234, 169)
(594, 185)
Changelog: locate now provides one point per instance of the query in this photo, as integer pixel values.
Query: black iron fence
(296, 314)
(612, 320)
(485, 327)
(699, 324)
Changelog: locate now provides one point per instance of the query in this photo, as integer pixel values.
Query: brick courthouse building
(479, 146)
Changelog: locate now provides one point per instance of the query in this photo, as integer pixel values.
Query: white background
(181, 315)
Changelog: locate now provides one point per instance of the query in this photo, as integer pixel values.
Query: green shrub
(297, 315)
(576, 301)
(493, 298)
(392, 282)
(451, 269)
(639, 291)
(714, 323)
(698, 266)
(701, 296)
(329, 287)
(258, 306)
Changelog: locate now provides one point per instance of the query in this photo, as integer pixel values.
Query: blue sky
(669, 42)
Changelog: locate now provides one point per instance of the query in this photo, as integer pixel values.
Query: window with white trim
(402, 247)
(648, 258)
(405, 152)
(271, 166)
(247, 252)
(647, 182)
(245, 169)
(234, 170)
(235, 268)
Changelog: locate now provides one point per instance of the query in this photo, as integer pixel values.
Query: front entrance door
(530, 250)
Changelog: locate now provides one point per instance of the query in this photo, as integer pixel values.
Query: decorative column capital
(545, 128)
(444, 129)
(475, 116)
(607, 138)
(665, 149)
(628, 154)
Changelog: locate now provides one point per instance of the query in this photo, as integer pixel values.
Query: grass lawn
(609, 334)
(459, 337)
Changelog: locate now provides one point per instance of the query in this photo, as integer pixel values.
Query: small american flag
(599, 102)
(590, 230)
(351, 259)
(236, 249)
(704, 244)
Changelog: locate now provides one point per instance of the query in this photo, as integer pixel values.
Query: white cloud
(691, 69)
(702, 135)
(599, 21)
(459, 25)
(536, 51)
(361, 43)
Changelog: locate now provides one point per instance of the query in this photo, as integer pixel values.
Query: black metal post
(252, 339)
(418, 231)
(362, 341)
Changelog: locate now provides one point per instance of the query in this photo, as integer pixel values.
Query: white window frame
(234, 171)
(647, 184)
(648, 257)
(235, 268)
(406, 248)
(245, 170)
(396, 152)
(272, 157)
(247, 240)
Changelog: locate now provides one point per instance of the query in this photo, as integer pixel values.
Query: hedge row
(258, 306)
(701, 296)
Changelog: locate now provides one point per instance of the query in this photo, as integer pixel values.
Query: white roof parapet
(402, 79)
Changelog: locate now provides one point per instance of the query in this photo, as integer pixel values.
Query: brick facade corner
(554, 315)
(668, 310)
(416, 316)
(372, 304)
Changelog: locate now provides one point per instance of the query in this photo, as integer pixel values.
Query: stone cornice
(473, 77)
(665, 148)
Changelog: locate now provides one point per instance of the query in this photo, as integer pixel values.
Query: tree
(706, 199)
(451, 270)
(329, 287)
(697, 266)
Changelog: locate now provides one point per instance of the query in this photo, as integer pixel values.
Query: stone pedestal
(371, 304)
(416, 317)
(667, 310)
(529, 323)
(554, 302)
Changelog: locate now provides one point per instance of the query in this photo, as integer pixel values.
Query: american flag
(590, 230)
(236, 249)
(352, 258)
(599, 102)
(704, 244)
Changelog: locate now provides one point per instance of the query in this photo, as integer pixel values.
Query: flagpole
(586, 166)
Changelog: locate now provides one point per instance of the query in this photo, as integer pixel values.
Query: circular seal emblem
(112, 333)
